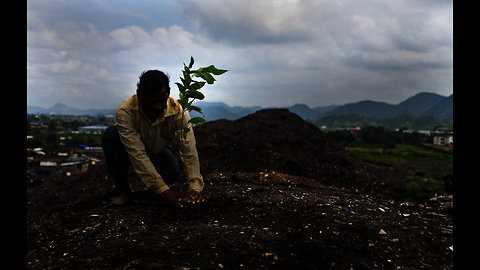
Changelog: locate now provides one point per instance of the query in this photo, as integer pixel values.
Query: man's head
(153, 91)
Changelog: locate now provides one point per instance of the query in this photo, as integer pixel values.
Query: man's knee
(114, 151)
(109, 136)
(166, 165)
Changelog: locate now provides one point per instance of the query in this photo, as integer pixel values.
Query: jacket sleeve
(188, 153)
(135, 148)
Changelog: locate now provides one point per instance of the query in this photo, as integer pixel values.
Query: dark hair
(151, 81)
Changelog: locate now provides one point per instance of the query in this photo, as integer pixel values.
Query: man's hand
(192, 197)
(172, 197)
(176, 198)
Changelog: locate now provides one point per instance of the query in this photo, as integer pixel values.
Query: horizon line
(266, 107)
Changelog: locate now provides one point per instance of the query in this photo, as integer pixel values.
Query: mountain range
(420, 105)
(60, 108)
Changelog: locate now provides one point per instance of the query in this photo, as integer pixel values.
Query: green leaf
(194, 94)
(197, 109)
(197, 120)
(212, 69)
(191, 62)
(204, 75)
(186, 75)
(181, 88)
(189, 105)
(196, 85)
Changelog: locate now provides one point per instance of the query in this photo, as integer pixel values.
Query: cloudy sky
(89, 53)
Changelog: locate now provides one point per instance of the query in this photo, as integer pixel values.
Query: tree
(189, 89)
(51, 139)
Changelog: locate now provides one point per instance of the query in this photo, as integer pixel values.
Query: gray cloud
(390, 34)
(254, 22)
(278, 52)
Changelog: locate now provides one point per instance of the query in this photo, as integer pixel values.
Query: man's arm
(189, 157)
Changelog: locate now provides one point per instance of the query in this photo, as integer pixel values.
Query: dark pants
(118, 161)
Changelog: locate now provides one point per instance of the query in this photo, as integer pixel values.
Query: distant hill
(220, 110)
(60, 108)
(310, 113)
(372, 109)
(443, 109)
(422, 104)
(419, 104)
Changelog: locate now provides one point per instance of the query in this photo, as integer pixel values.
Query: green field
(420, 170)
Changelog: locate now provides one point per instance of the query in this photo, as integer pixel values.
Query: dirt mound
(275, 139)
(265, 220)
(267, 207)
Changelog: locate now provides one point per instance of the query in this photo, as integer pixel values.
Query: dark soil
(275, 139)
(287, 198)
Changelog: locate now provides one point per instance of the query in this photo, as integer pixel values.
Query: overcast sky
(89, 53)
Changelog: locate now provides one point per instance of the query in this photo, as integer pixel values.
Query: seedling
(189, 89)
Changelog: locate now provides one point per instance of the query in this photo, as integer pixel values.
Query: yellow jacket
(140, 135)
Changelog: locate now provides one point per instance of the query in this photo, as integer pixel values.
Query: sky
(90, 53)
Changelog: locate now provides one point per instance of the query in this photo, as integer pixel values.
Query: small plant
(189, 89)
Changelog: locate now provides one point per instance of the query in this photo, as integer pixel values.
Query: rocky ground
(268, 206)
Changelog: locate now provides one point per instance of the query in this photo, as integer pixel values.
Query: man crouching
(145, 126)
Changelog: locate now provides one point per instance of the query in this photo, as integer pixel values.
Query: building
(66, 163)
(443, 140)
(36, 126)
(92, 129)
(72, 168)
(355, 130)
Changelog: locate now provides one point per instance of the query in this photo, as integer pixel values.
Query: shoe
(121, 199)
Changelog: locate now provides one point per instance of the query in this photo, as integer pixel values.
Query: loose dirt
(287, 198)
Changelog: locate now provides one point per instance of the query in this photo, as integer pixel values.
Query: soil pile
(265, 220)
(267, 207)
(275, 139)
